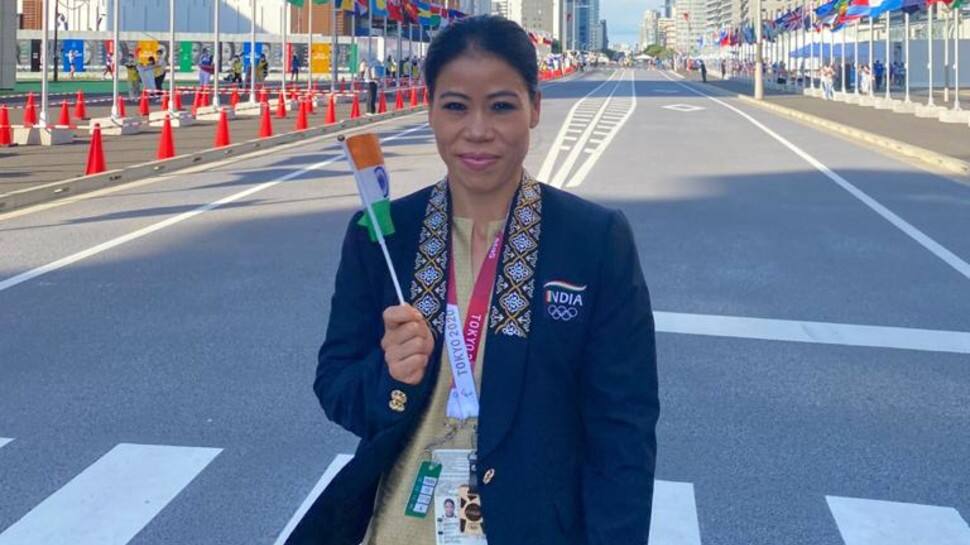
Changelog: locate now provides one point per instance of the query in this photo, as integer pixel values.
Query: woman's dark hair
(491, 34)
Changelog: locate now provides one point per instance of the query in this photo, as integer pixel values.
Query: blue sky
(623, 18)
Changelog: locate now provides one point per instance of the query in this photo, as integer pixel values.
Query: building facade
(667, 32)
(649, 28)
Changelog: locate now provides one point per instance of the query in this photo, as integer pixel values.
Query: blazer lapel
(510, 318)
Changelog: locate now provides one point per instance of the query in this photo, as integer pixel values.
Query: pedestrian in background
(161, 68)
(294, 68)
(205, 67)
(134, 79)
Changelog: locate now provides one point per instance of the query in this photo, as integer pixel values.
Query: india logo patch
(563, 300)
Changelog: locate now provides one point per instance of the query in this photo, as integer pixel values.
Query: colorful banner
(72, 52)
(245, 53)
(186, 59)
(145, 49)
(320, 58)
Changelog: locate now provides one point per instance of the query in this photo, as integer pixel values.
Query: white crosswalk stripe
(674, 517)
(335, 466)
(878, 522)
(4, 441)
(113, 499)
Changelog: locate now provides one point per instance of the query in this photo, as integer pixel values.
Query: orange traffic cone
(355, 108)
(309, 103)
(382, 104)
(301, 123)
(206, 97)
(80, 111)
(234, 98)
(95, 153)
(222, 130)
(121, 107)
(265, 124)
(6, 134)
(196, 103)
(414, 97)
(331, 110)
(281, 105)
(177, 99)
(166, 143)
(424, 99)
(263, 95)
(65, 118)
(399, 101)
(143, 109)
(30, 111)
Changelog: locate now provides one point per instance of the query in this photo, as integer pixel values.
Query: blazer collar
(510, 315)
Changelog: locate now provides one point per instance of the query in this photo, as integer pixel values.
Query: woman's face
(481, 115)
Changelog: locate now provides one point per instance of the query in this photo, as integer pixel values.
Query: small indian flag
(366, 160)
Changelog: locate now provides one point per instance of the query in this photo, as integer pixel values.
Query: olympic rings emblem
(562, 312)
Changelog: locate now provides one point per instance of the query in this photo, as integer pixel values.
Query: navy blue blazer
(569, 398)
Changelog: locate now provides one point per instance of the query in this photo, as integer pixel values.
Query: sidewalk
(951, 140)
(23, 167)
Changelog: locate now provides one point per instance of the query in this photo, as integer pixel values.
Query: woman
(547, 436)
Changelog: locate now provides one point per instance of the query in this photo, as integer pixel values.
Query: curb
(929, 157)
(83, 184)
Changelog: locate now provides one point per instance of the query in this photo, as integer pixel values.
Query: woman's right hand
(407, 343)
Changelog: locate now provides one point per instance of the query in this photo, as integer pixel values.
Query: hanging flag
(395, 10)
(379, 8)
(856, 9)
(913, 6)
(363, 152)
(410, 10)
(345, 5)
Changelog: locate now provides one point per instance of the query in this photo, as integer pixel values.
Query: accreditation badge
(457, 504)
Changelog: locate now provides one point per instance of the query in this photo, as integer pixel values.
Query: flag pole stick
(373, 221)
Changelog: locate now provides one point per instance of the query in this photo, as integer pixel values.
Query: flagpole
(333, 46)
(872, 72)
(956, 61)
(378, 232)
(171, 58)
(370, 38)
(217, 59)
(400, 51)
(887, 70)
(286, 54)
(929, 49)
(759, 76)
(252, 56)
(842, 58)
(855, 59)
(353, 43)
(309, 46)
(946, 57)
(117, 58)
(906, 55)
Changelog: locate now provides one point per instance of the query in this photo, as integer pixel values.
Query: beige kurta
(389, 525)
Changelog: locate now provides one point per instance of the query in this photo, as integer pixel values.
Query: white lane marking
(878, 522)
(168, 222)
(567, 165)
(569, 138)
(911, 231)
(4, 441)
(673, 519)
(335, 466)
(114, 498)
(584, 169)
(902, 338)
(546, 169)
(565, 148)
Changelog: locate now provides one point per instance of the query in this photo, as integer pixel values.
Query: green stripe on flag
(382, 209)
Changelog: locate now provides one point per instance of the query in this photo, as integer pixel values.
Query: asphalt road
(158, 341)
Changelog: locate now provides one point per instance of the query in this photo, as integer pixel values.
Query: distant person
(71, 60)
(262, 68)
(879, 70)
(236, 69)
(294, 68)
(723, 69)
(205, 67)
(134, 79)
(703, 71)
(161, 68)
(147, 74)
(109, 67)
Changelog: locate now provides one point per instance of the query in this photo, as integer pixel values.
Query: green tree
(654, 50)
